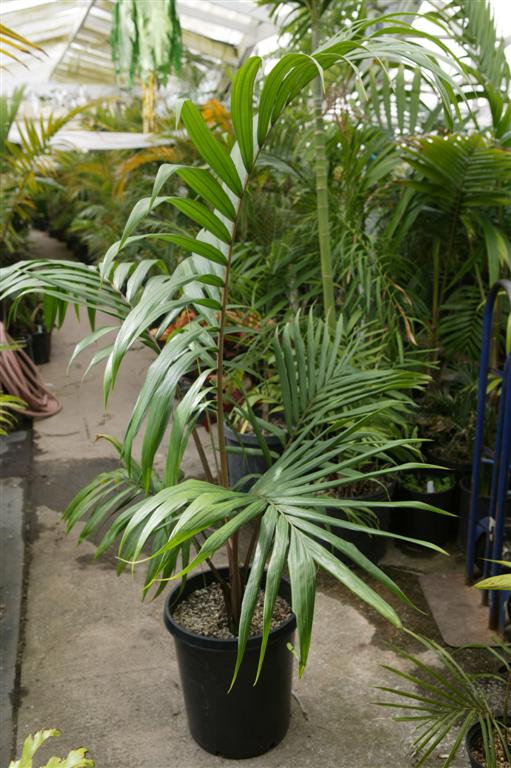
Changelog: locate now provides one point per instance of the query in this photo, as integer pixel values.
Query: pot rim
(474, 729)
(465, 485)
(383, 494)
(459, 467)
(205, 578)
(425, 493)
(250, 439)
(471, 733)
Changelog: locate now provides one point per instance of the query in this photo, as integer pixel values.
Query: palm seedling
(448, 704)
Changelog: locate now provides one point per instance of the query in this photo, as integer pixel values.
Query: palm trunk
(435, 309)
(321, 170)
(149, 104)
(236, 592)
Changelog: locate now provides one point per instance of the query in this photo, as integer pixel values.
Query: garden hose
(20, 376)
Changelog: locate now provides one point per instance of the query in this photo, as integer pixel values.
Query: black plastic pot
(458, 468)
(250, 719)
(242, 464)
(57, 232)
(483, 510)
(428, 526)
(25, 342)
(41, 346)
(471, 739)
(373, 547)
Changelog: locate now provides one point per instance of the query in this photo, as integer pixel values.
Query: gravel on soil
(501, 760)
(203, 613)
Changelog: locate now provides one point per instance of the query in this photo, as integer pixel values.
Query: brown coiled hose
(19, 376)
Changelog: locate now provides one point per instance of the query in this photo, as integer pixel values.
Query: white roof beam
(37, 21)
(21, 6)
(86, 73)
(81, 21)
(213, 48)
(212, 18)
(244, 8)
(57, 32)
(86, 49)
(101, 13)
(215, 31)
(88, 58)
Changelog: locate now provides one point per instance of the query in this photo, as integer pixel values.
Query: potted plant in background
(29, 330)
(446, 418)
(326, 410)
(368, 491)
(453, 707)
(432, 486)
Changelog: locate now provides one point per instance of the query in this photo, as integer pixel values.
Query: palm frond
(289, 499)
(9, 407)
(461, 322)
(11, 41)
(444, 700)
(328, 414)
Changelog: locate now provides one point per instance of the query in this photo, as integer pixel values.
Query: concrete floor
(99, 665)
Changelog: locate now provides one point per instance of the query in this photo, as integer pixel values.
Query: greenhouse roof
(75, 35)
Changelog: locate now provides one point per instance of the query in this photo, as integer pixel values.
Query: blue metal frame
(498, 600)
(502, 457)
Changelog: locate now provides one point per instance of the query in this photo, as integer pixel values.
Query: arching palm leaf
(328, 414)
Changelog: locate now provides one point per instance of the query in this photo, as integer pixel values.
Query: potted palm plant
(178, 525)
(453, 707)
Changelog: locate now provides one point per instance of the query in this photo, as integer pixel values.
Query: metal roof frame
(74, 35)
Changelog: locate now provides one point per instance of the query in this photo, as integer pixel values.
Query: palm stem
(202, 455)
(232, 548)
(321, 171)
(435, 317)
(149, 89)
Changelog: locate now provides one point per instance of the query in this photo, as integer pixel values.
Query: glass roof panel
(71, 31)
(74, 31)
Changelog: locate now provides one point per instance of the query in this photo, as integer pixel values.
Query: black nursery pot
(25, 341)
(483, 510)
(471, 740)
(373, 547)
(428, 526)
(249, 720)
(242, 464)
(41, 345)
(457, 468)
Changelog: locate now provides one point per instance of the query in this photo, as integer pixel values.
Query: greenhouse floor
(97, 663)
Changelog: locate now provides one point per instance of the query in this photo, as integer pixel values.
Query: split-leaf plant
(328, 405)
(77, 758)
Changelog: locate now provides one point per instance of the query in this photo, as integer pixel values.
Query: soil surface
(203, 613)
(501, 760)
(364, 488)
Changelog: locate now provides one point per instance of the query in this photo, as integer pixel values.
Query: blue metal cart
(492, 526)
